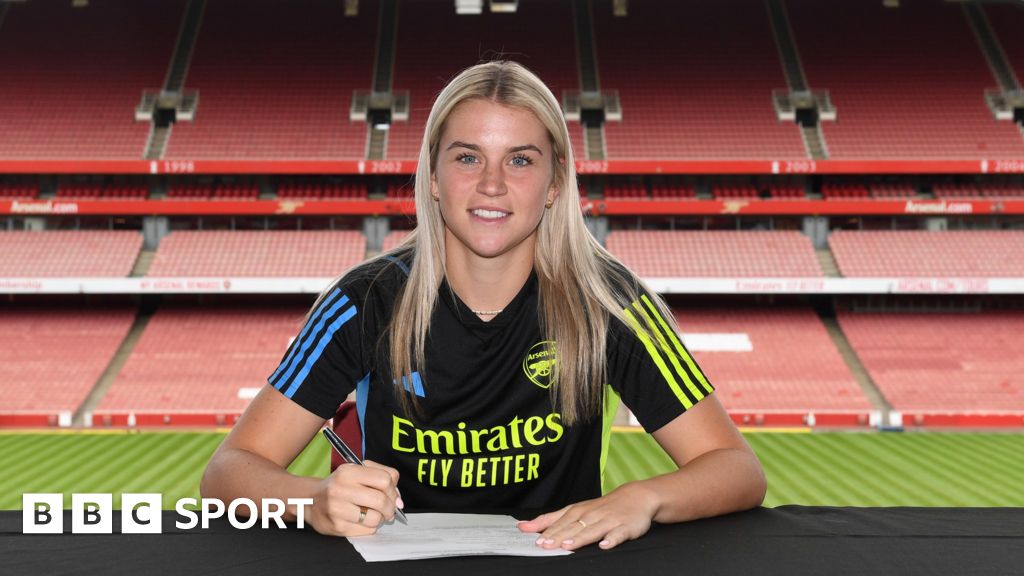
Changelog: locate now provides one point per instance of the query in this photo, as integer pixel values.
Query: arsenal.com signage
(939, 207)
(607, 207)
(43, 207)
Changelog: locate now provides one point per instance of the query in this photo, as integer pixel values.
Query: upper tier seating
(258, 253)
(72, 77)
(695, 80)
(275, 81)
(907, 83)
(539, 36)
(69, 253)
(715, 254)
(913, 253)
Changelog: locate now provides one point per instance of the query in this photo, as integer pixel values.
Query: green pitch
(821, 469)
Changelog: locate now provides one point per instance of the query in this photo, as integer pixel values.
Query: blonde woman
(488, 354)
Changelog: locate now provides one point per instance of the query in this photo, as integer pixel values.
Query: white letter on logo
(300, 510)
(141, 514)
(92, 513)
(266, 514)
(42, 513)
(233, 518)
(207, 514)
(185, 512)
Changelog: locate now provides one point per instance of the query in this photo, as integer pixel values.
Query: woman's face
(493, 177)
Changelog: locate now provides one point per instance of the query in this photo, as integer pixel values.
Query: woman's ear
(433, 188)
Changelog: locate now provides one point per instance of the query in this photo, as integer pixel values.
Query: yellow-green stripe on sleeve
(653, 351)
(680, 348)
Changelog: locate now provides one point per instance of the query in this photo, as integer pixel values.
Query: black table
(786, 540)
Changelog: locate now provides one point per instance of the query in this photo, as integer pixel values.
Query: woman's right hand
(350, 489)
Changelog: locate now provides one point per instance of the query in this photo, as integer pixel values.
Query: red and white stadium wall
(644, 167)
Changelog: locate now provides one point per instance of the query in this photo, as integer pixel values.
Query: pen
(349, 456)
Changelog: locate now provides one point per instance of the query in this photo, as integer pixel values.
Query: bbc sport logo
(143, 514)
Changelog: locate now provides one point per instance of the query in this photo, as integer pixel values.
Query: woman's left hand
(621, 515)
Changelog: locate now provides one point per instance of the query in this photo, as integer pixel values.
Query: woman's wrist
(645, 494)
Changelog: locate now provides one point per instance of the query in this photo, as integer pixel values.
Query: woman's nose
(492, 180)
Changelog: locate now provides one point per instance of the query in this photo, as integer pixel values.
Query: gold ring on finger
(362, 515)
(582, 523)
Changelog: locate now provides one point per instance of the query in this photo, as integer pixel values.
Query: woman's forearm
(717, 482)
(237, 473)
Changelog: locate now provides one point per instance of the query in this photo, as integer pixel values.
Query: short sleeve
(325, 360)
(650, 368)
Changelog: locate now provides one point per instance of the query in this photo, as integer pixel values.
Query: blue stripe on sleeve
(305, 329)
(362, 395)
(315, 355)
(308, 341)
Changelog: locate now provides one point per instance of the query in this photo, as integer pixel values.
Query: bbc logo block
(91, 514)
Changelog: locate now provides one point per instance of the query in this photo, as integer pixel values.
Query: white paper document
(439, 535)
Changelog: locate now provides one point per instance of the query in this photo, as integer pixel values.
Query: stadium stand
(912, 253)
(51, 357)
(688, 90)
(891, 97)
(189, 192)
(72, 77)
(726, 192)
(400, 191)
(545, 46)
(1007, 21)
(18, 191)
(68, 253)
(101, 192)
(276, 81)
(774, 366)
(1004, 190)
(944, 368)
(309, 254)
(236, 192)
(944, 190)
(715, 254)
(626, 191)
(348, 191)
(845, 191)
(786, 192)
(673, 191)
(198, 365)
(989, 189)
(393, 239)
(884, 191)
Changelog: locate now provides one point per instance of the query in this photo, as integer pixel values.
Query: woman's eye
(465, 158)
(521, 161)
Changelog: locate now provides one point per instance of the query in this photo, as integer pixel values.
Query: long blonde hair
(581, 286)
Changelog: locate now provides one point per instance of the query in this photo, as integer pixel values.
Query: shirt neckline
(467, 317)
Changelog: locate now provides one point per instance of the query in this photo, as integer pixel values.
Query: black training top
(487, 434)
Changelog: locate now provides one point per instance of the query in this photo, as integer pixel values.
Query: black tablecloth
(786, 540)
